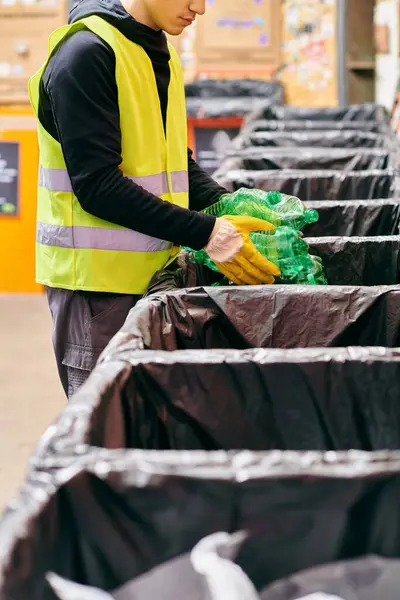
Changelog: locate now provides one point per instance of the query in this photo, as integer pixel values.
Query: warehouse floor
(30, 393)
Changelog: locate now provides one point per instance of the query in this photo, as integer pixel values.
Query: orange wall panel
(17, 233)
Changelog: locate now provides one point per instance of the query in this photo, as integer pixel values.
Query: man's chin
(174, 30)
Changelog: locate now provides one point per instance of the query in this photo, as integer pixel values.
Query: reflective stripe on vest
(57, 180)
(98, 238)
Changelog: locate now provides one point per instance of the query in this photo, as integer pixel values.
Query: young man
(118, 187)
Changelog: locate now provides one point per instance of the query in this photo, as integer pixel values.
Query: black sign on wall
(211, 145)
(9, 172)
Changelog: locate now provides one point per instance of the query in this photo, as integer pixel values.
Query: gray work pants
(83, 325)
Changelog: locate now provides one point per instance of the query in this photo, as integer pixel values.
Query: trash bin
(353, 112)
(114, 516)
(262, 159)
(359, 260)
(355, 218)
(270, 92)
(315, 184)
(259, 399)
(216, 109)
(310, 139)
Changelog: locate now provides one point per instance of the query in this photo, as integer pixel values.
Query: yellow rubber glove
(235, 255)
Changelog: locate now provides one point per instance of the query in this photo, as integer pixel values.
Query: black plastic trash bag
(368, 578)
(230, 98)
(112, 516)
(221, 108)
(359, 261)
(309, 139)
(266, 125)
(355, 218)
(353, 112)
(315, 184)
(262, 159)
(291, 399)
(235, 88)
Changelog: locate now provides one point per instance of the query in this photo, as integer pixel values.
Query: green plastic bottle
(291, 254)
(275, 207)
(291, 210)
(244, 202)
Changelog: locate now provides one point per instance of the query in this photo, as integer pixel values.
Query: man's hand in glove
(235, 255)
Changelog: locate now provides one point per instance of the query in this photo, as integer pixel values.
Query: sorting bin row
(296, 397)
(319, 142)
(304, 398)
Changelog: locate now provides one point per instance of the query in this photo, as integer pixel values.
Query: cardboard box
(239, 37)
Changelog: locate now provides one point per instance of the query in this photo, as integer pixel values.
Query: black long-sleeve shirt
(79, 107)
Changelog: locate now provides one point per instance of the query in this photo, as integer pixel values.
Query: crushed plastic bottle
(291, 210)
(275, 207)
(244, 202)
(291, 254)
(286, 249)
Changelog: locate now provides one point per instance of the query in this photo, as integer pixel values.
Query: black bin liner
(315, 184)
(355, 218)
(353, 112)
(312, 139)
(364, 316)
(359, 260)
(230, 98)
(292, 399)
(235, 88)
(266, 125)
(261, 159)
(115, 515)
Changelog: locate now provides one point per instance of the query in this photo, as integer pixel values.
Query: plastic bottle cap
(274, 197)
(311, 215)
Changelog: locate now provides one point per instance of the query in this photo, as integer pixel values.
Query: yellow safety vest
(76, 250)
